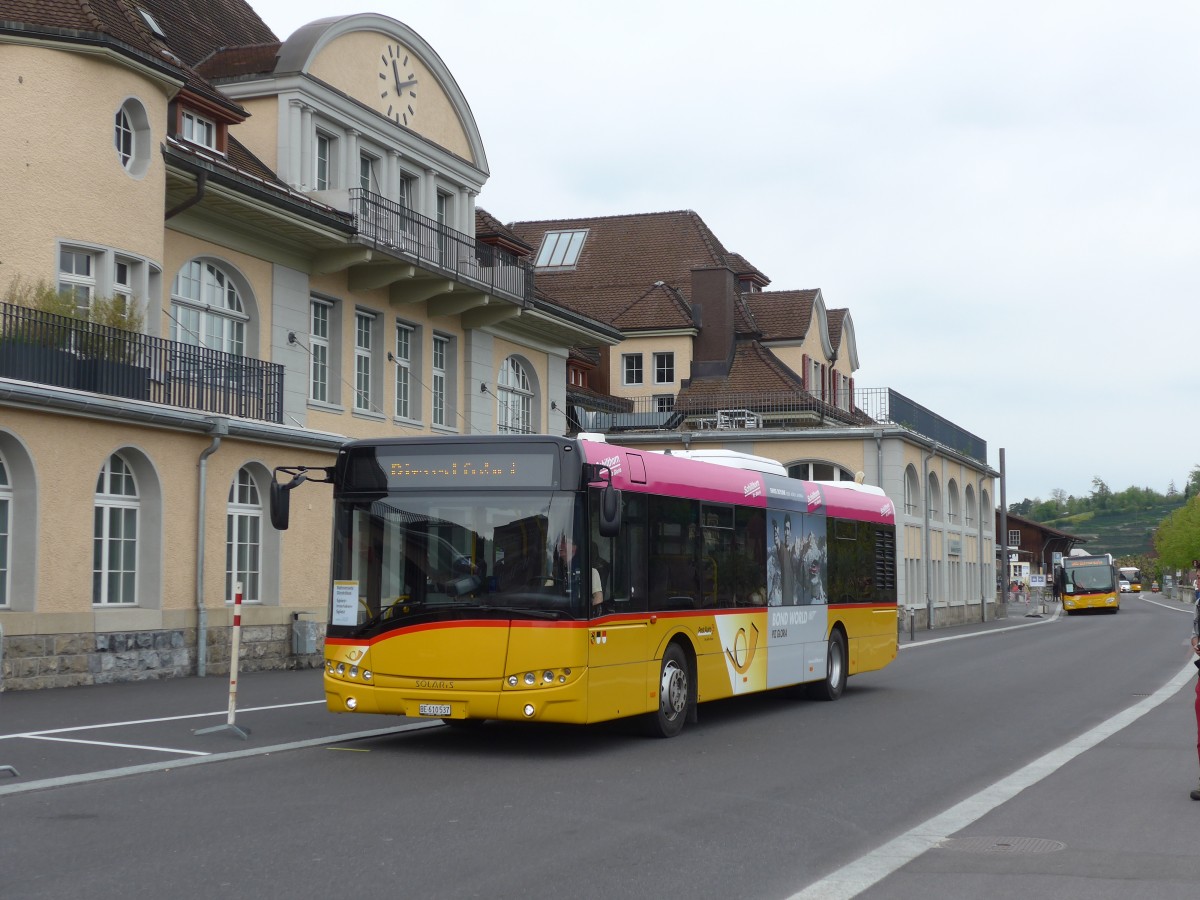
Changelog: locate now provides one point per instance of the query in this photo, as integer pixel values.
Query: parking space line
(64, 740)
(223, 712)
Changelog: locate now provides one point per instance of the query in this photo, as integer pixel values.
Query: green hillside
(1121, 532)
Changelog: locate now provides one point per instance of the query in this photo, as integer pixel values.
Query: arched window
(243, 539)
(912, 492)
(115, 535)
(985, 512)
(970, 520)
(131, 137)
(207, 310)
(514, 398)
(5, 531)
(952, 510)
(935, 497)
(814, 470)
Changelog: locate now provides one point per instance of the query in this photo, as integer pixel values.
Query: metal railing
(56, 350)
(741, 411)
(890, 407)
(399, 230)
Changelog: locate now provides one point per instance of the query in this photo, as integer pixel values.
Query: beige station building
(288, 231)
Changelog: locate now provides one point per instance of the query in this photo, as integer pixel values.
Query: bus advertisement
(540, 578)
(1088, 582)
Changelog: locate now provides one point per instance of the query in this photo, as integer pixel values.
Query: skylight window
(560, 249)
(151, 23)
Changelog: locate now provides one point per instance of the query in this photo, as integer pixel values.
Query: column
(307, 136)
(292, 151)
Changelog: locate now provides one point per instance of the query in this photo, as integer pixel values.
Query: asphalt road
(1040, 757)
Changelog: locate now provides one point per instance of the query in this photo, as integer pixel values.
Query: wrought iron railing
(56, 350)
(434, 246)
(890, 407)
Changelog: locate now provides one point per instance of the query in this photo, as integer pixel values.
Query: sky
(1005, 196)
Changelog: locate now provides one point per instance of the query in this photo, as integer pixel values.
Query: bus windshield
(417, 557)
(1088, 579)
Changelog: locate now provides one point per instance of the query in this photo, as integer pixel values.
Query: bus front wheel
(835, 669)
(674, 691)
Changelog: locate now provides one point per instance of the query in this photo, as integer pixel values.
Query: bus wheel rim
(673, 690)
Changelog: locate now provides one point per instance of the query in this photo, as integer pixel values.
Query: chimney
(714, 292)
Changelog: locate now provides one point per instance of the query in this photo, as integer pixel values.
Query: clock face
(397, 84)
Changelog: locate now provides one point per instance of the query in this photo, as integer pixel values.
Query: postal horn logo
(745, 645)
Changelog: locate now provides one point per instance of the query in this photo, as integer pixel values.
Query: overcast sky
(1003, 195)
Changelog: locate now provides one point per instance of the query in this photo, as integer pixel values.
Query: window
(952, 514)
(243, 539)
(912, 492)
(1014, 537)
(514, 399)
(115, 535)
(970, 518)
(318, 349)
(631, 364)
(323, 158)
(560, 249)
(664, 403)
(5, 532)
(366, 173)
(404, 343)
(408, 191)
(438, 385)
(935, 497)
(664, 368)
(444, 213)
(207, 310)
(123, 138)
(199, 131)
(363, 325)
(77, 276)
(819, 471)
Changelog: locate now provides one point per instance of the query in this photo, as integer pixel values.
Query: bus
(1132, 576)
(1088, 582)
(550, 579)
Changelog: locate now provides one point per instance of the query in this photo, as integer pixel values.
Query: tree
(1177, 539)
(1172, 491)
(1059, 496)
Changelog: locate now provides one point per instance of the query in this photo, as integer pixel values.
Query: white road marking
(868, 870)
(43, 737)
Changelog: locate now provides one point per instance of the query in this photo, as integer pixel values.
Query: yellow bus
(1088, 582)
(1131, 576)
(551, 579)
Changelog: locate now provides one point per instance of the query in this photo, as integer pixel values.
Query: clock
(397, 84)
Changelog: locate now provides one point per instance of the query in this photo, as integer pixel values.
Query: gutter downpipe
(982, 571)
(928, 594)
(1002, 537)
(220, 427)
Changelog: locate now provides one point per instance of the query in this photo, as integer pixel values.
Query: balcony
(54, 350)
(403, 233)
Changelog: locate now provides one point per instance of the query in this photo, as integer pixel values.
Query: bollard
(912, 624)
(234, 652)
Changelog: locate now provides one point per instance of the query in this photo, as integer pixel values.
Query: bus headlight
(368, 674)
(530, 678)
(351, 703)
(528, 710)
(512, 680)
(341, 668)
(547, 676)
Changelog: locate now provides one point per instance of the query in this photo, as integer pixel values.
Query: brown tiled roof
(622, 259)
(232, 62)
(782, 315)
(490, 229)
(755, 371)
(195, 29)
(835, 318)
(241, 158)
(743, 268)
(661, 306)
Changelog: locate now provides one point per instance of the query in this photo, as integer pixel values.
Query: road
(1027, 761)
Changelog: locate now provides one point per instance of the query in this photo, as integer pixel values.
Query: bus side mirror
(610, 512)
(281, 501)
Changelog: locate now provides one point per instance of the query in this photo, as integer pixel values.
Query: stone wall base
(32, 662)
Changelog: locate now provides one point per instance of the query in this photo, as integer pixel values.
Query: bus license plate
(441, 710)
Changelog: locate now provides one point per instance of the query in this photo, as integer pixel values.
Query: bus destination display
(499, 469)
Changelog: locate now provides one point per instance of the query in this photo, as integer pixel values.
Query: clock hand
(396, 73)
(402, 85)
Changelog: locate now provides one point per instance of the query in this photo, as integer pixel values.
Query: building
(294, 225)
(709, 357)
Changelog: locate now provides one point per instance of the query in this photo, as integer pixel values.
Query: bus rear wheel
(835, 669)
(674, 693)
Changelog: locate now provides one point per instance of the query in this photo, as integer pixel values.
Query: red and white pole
(234, 651)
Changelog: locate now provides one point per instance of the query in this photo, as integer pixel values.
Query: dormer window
(199, 131)
(560, 249)
(152, 24)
